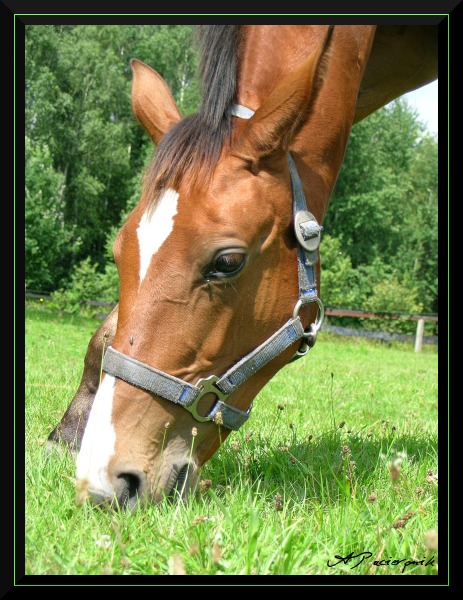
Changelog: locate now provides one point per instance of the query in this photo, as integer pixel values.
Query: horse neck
(269, 52)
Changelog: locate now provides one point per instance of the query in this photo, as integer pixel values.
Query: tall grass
(339, 457)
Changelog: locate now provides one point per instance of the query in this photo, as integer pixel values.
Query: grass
(337, 458)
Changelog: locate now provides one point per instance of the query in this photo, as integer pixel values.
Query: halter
(187, 395)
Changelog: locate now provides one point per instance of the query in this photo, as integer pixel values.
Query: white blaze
(98, 440)
(155, 229)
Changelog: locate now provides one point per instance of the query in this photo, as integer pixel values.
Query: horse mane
(193, 145)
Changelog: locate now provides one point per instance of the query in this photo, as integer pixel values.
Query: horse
(219, 261)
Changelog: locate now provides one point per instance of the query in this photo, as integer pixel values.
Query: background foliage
(85, 155)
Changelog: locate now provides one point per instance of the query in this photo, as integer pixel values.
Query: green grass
(289, 491)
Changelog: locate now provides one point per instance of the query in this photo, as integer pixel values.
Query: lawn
(338, 459)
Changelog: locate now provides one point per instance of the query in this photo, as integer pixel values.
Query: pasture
(339, 457)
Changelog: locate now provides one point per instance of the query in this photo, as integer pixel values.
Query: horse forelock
(190, 150)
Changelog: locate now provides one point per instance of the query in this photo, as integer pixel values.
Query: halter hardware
(206, 386)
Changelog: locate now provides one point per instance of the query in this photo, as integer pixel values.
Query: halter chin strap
(187, 395)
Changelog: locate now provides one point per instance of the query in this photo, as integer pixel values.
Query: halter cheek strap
(187, 395)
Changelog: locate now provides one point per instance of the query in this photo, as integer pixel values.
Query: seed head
(194, 432)
(341, 424)
(235, 445)
(218, 419)
(398, 524)
(216, 553)
(204, 485)
(401, 522)
(167, 425)
(281, 407)
(193, 549)
(178, 566)
(394, 470)
(200, 519)
(81, 491)
(278, 502)
(372, 497)
(430, 540)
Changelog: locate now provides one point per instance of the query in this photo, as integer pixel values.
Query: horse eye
(227, 263)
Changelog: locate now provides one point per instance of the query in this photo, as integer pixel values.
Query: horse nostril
(129, 489)
(178, 487)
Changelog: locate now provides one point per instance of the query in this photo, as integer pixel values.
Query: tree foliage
(48, 240)
(384, 206)
(78, 111)
(85, 156)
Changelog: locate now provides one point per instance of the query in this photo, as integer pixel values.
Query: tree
(78, 106)
(338, 279)
(419, 251)
(366, 207)
(45, 260)
(384, 207)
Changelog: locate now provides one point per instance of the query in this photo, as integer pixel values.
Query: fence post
(419, 335)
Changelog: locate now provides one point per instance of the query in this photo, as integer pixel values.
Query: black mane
(194, 144)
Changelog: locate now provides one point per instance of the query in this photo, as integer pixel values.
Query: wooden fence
(421, 319)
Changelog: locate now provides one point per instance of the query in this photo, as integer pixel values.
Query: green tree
(48, 247)
(384, 208)
(338, 280)
(419, 251)
(78, 84)
(366, 207)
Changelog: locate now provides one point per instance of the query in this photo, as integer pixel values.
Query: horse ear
(152, 102)
(277, 121)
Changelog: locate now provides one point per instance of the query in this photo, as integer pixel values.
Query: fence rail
(329, 311)
(346, 312)
(420, 319)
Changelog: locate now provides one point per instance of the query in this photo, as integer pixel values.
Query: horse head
(210, 293)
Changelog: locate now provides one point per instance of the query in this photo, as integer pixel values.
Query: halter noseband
(187, 395)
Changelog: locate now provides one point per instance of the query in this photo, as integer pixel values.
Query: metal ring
(319, 318)
(303, 349)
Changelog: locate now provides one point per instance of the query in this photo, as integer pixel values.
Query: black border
(329, 7)
(8, 24)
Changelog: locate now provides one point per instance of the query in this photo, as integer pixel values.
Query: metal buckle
(206, 386)
(311, 334)
(307, 230)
